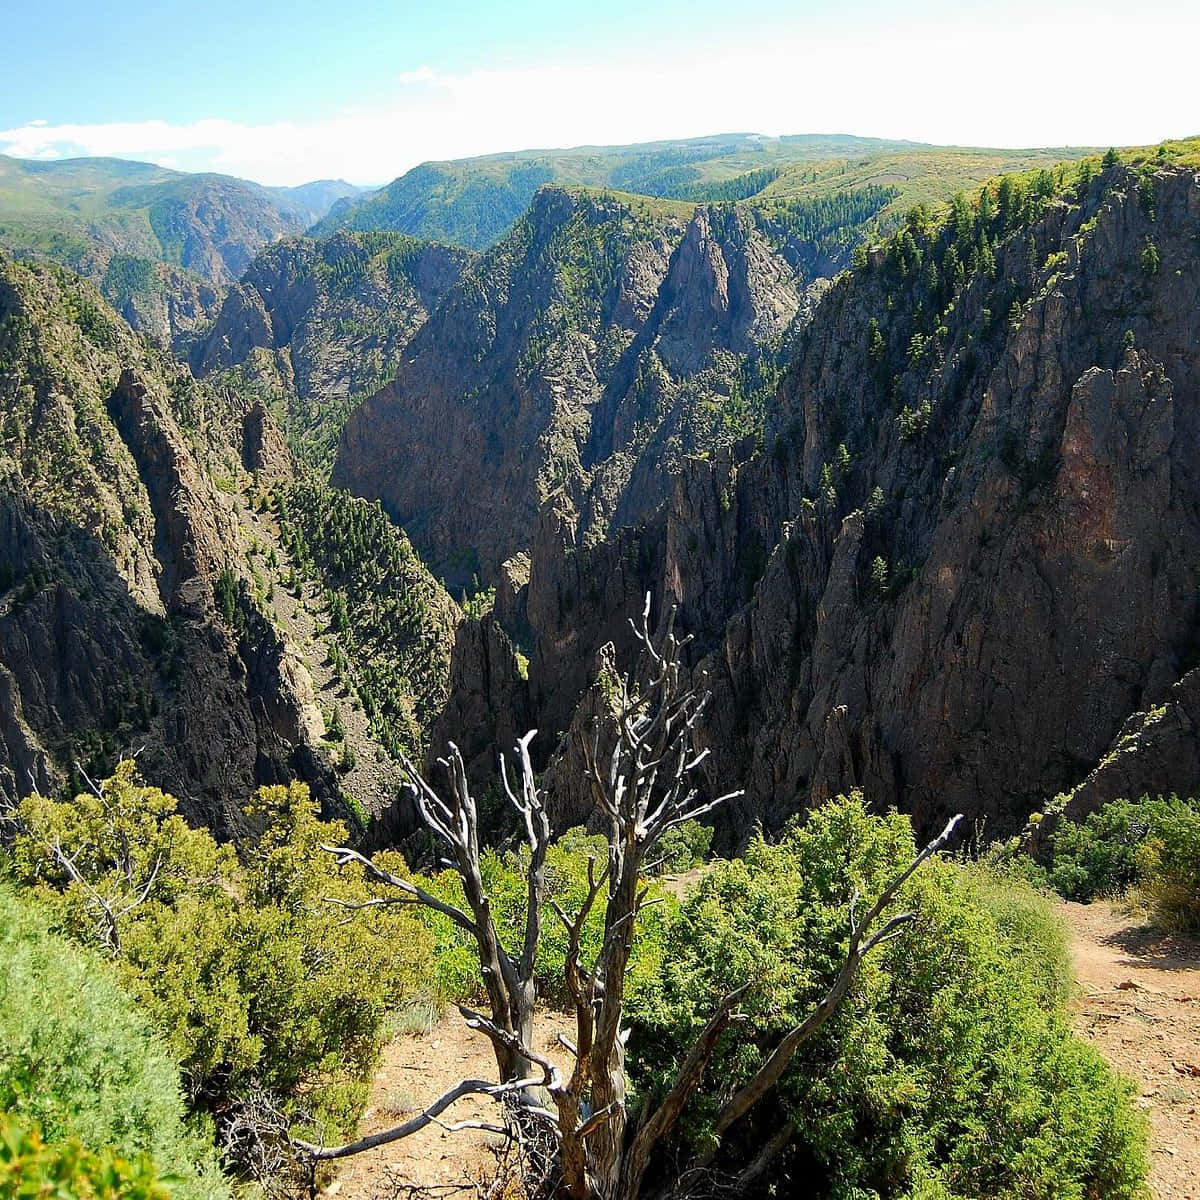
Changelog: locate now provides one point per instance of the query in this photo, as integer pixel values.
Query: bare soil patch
(415, 1070)
(1139, 1004)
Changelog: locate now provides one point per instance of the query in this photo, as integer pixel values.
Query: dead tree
(644, 784)
(507, 976)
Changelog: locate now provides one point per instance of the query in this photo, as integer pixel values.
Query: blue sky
(364, 89)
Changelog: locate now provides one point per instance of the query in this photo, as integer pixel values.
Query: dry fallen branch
(428, 1116)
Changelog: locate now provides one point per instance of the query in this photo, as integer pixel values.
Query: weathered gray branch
(410, 892)
(465, 1087)
(662, 1121)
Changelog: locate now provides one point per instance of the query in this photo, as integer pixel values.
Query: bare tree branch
(661, 1122)
(410, 892)
(428, 1116)
(551, 1076)
(772, 1149)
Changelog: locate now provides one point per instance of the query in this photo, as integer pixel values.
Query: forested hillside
(139, 609)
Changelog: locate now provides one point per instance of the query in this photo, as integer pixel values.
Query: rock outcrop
(580, 359)
(168, 304)
(125, 622)
(1156, 753)
(962, 572)
(332, 317)
(973, 634)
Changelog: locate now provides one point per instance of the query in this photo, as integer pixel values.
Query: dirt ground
(415, 1069)
(1139, 1004)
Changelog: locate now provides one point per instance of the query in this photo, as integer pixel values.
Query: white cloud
(1069, 81)
(420, 75)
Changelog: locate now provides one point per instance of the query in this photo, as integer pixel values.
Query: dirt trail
(415, 1069)
(1139, 1004)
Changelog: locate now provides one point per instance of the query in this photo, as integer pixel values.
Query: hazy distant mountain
(320, 196)
(118, 223)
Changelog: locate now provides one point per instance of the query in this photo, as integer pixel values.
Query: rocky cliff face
(1038, 531)
(171, 306)
(125, 624)
(1156, 753)
(973, 634)
(213, 225)
(333, 316)
(962, 572)
(581, 358)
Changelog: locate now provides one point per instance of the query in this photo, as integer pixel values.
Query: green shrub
(81, 1062)
(1097, 857)
(29, 1168)
(252, 976)
(950, 1071)
(1123, 843)
(335, 731)
(225, 593)
(1033, 931)
(684, 847)
(1169, 868)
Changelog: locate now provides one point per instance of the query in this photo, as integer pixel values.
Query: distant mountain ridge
(473, 202)
(160, 244)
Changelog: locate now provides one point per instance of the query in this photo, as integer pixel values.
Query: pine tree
(987, 208)
(337, 727)
(879, 576)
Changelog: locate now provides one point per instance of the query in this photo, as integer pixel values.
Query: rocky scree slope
(314, 325)
(603, 340)
(126, 619)
(962, 571)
